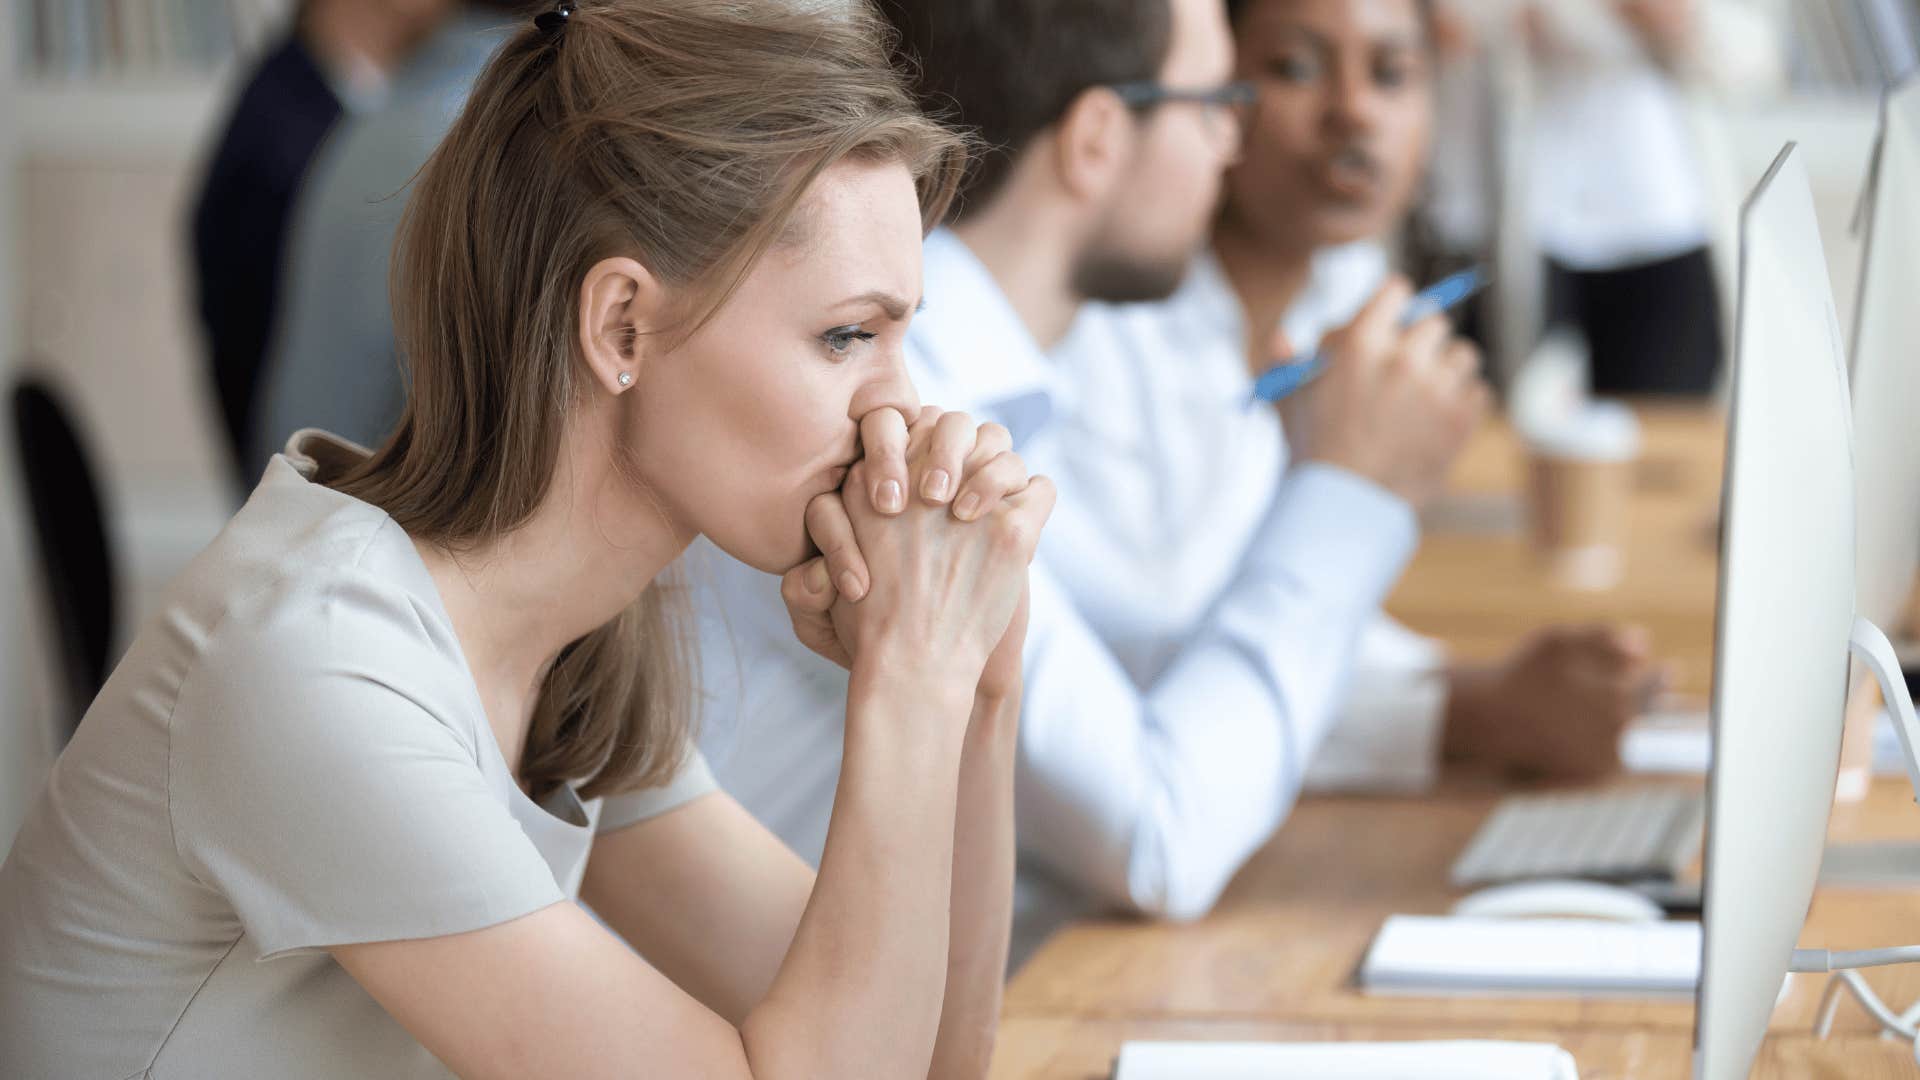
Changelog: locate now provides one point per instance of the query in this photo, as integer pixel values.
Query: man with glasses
(1107, 125)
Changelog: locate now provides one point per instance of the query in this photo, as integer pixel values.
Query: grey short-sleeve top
(291, 756)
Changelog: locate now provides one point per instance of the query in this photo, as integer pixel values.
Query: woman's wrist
(920, 686)
(996, 717)
(922, 700)
(1469, 721)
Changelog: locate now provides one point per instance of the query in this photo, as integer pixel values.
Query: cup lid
(1598, 431)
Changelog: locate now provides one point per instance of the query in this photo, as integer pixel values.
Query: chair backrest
(70, 535)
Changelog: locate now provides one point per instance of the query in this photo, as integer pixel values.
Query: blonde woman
(336, 812)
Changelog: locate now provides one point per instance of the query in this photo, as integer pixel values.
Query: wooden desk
(1276, 960)
(1292, 928)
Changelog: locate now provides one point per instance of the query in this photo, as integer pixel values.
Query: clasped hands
(923, 553)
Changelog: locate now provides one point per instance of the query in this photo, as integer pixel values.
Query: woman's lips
(1353, 175)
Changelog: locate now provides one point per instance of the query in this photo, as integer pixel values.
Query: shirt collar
(1207, 298)
(1342, 280)
(970, 350)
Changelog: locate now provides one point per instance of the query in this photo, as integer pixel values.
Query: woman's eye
(839, 341)
(1393, 74)
(1291, 68)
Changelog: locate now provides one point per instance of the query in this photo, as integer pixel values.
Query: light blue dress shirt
(1167, 477)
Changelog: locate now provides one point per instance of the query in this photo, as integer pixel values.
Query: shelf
(167, 118)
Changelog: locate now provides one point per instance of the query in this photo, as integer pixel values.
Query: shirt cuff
(1335, 533)
(1387, 738)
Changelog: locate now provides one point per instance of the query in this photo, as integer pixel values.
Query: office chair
(70, 540)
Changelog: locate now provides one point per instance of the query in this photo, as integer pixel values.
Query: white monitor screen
(1785, 613)
(1886, 371)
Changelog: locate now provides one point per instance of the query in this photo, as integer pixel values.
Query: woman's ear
(620, 301)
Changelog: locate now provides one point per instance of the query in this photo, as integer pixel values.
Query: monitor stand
(1881, 862)
(1872, 863)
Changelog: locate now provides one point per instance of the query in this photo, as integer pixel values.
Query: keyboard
(1623, 835)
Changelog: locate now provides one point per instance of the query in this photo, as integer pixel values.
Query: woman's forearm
(860, 991)
(983, 868)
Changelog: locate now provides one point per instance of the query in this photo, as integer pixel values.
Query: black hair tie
(551, 22)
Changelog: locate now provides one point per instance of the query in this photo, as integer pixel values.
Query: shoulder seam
(213, 631)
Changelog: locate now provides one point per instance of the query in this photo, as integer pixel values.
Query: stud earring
(625, 379)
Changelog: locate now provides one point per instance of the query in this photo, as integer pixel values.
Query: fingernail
(935, 485)
(816, 578)
(888, 497)
(968, 506)
(850, 586)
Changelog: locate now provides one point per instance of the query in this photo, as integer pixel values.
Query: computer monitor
(1783, 622)
(1886, 370)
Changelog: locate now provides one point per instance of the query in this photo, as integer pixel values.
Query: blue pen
(1283, 379)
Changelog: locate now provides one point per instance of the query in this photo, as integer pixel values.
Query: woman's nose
(891, 388)
(1354, 104)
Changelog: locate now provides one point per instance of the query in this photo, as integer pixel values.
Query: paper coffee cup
(1580, 493)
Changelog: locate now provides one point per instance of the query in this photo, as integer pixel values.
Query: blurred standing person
(331, 361)
(1622, 203)
(1580, 148)
(335, 57)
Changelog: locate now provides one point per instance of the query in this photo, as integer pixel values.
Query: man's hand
(1556, 708)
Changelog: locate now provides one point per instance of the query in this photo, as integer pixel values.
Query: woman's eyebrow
(1384, 39)
(1400, 40)
(893, 304)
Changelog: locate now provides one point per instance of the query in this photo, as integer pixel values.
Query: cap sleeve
(632, 807)
(323, 776)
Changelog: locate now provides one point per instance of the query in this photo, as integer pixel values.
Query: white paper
(1670, 745)
(1424, 954)
(1345, 1061)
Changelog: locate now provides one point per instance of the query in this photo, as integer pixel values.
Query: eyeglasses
(1226, 108)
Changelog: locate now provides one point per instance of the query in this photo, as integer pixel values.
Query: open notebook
(1445, 955)
(1344, 1061)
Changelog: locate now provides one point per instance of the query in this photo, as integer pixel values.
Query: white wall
(97, 289)
(1836, 138)
(108, 307)
(21, 756)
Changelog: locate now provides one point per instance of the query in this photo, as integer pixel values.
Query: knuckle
(1043, 491)
(1010, 534)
